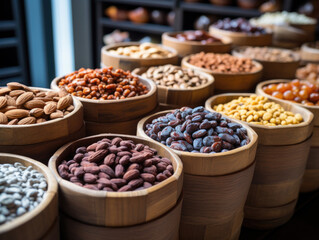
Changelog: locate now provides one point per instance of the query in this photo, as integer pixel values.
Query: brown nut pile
(103, 84)
(175, 77)
(116, 165)
(310, 73)
(269, 54)
(20, 105)
(222, 63)
(145, 50)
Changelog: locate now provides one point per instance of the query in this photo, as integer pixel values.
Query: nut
(17, 113)
(24, 97)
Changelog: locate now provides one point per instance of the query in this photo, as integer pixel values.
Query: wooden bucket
(175, 97)
(231, 82)
(215, 188)
(41, 140)
(185, 48)
(244, 39)
(37, 223)
(115, 209)
(280, 161)
(164, 227)
(309, 54)
(130, 63)
(275, 69)
(311, 177)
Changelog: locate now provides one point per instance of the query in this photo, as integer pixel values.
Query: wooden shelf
(8, 42)
(126, 25)
(10, 72)
(7, 25)
(144, 3)
(206, 8)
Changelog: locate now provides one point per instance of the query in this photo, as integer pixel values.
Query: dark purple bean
(188, 137)
(217, 146)
(205, 125)
(227, 137)
(199, 133)
(192, 127)
(197, 118)
(233, 125)
(227, 145)
(169, 141)
(219, 129)
(208, 140)
(177, 136)
(198, 143)
(198, 109)
(178, 146)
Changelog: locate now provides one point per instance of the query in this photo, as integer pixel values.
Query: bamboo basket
(185, 48)
(231, 82)
(274, 69)
(311, 177)
(177, 98)
(215, 188)
(244, 39)
(38, 222)
(280, 163)
(130, 63)
(114, 209)
(309, 54)
(164, 227)
(40, 140)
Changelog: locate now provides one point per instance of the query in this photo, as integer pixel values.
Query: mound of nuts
(198, 36)
(239, 25)
(116, 165)
(103, 84)
(21, 105)
(258, 110)
(22, 189)
(197, 130)
(144, 50)
(310, 73)
(269, 54)
(222, 63)
(175, 77)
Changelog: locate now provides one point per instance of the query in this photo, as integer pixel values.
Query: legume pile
(297, 91)
(222, 63)
(198, 36)
(21, 190)
(145, 50)
(269, 54)
(310, 73)
(197, 130)
(258, 110)
(103, 84)
(175, 77)
(239, 25)
(116, 165)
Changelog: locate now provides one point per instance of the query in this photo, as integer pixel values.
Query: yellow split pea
(258, 110)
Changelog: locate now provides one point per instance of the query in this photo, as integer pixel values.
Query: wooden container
(177, 98)
(231, 82)
(164, 227)
(41, 140)
(309, 54)
(274, 69)
(280, 163)
(244, 39)
(114, 209)
(311, 177)
(37, 223)
(130, 63)
(185, 48)
(215, 188)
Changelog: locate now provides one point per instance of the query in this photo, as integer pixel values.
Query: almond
(35, 103)
(44, 99)
(41, 120)
(17, 113)
(63, 92)
(52, 94)
(3, 102)
(56, 99)
(40, 94)
(13, 122)
(36, 112)
(16, 93)
(66, 113)
(27, 120)
(7, 108)
(15, 85)
(23, 98)
(4, 91)
(57, 114)
(65, 102)
(11, 101)
(3, 118)
(70, 109)
(49, 108)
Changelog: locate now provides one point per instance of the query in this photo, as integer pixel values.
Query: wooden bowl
(313, 109)
(36, 223)
(244, 39)
(164, 227)
(231, 82)
(204, 164)
(130, 63)
(274, 69)
(116, 209)
(309, 54)
(112, 110)
(273, 135)
(184, 97)
(185, 48)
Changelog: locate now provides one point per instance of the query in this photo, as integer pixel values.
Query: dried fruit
(17, 113)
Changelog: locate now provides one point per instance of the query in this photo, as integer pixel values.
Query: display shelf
(126, 25)
(8, 42)
(207, 8)
(10, 72)
(7, 25)
(145, 3)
